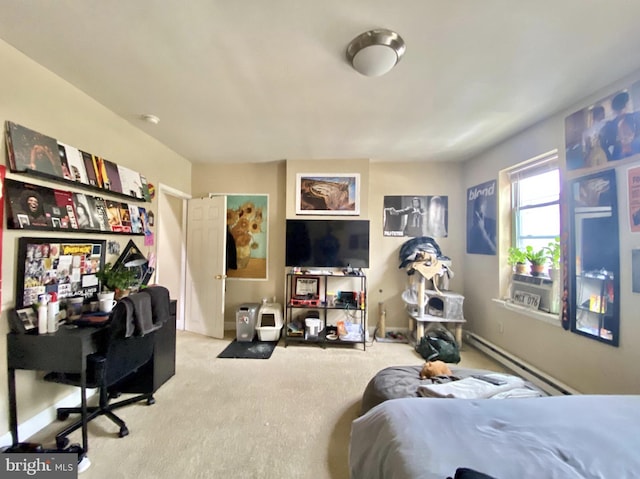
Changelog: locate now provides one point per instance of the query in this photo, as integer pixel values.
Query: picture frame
(24, 320)
(328, 194)
(248, 228)
(307, 286)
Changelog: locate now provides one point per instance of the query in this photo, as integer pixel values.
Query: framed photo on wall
(328, 194)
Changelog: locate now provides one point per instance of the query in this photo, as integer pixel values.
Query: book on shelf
(75, 163)
(30, 150)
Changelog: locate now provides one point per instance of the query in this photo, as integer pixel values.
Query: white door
(206, 265)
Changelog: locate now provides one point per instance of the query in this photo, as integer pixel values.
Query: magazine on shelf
(29, 150)
(99, 210)
(125, 218)
(63, 214)
(66, 172)
(136, 221)
(75, 163)
(145, 188)
(85, 214)
(131, 183)
(113, 214)
(110, 176)
(89, 168)
(28, 205)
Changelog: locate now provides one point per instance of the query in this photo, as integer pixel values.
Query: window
(535, 201)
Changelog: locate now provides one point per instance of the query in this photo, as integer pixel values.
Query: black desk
(64, 351)
(67, 350)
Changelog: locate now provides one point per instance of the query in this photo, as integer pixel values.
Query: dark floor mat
(249, 350)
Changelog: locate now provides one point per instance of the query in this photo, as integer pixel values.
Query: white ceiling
(262, 80)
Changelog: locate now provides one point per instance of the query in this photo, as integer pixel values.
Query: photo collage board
(66, 267)
(31, 151)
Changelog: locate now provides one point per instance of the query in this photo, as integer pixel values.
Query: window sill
(553, 319)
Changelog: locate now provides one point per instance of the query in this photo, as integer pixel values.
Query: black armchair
(128, 344)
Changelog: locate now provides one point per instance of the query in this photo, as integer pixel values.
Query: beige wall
(34, 97)
(584, 364)
(258, 178)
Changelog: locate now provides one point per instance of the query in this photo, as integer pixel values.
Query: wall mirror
(594, 269)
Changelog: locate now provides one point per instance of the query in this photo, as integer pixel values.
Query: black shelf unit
(356, 312)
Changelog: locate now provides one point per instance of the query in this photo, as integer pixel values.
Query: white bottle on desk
(42, 317)
(53, 313)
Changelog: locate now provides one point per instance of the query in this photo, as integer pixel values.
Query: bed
(404, 381)
(563, 437)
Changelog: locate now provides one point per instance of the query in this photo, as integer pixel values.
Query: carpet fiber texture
(249, 350)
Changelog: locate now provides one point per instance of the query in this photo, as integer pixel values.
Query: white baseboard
(544, 381)
(41, 420)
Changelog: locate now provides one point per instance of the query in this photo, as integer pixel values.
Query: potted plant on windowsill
(552, 251)
(118, 279)
(537, 258)
(518, 259)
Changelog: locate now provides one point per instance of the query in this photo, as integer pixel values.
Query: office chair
(128, 344)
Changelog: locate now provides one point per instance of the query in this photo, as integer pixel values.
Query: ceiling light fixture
(151, 119)
(375, 52)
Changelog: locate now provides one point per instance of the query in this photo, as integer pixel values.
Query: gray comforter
(589, 436)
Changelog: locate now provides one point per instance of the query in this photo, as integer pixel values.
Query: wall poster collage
(63, 266)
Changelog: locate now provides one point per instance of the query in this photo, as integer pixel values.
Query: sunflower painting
(247, 223)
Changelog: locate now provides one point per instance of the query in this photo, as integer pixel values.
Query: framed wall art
(328, 194)
(247, 220)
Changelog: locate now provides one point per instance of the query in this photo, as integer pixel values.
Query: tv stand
(337, 297)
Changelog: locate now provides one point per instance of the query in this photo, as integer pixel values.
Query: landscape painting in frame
(328, 194)
(247, 218)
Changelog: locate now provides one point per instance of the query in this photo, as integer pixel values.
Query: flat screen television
(327, 243)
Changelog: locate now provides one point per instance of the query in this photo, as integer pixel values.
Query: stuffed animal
(435, 368)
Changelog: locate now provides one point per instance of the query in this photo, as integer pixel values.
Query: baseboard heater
(545, 382)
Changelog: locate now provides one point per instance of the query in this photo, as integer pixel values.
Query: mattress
(561, 437)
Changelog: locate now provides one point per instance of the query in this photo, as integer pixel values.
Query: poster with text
(482, 214)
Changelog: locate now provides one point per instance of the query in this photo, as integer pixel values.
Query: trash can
(246, 316)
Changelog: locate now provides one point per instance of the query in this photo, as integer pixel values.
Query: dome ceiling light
(375, 52)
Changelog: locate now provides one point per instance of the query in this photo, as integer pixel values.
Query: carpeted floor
(288, 417)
